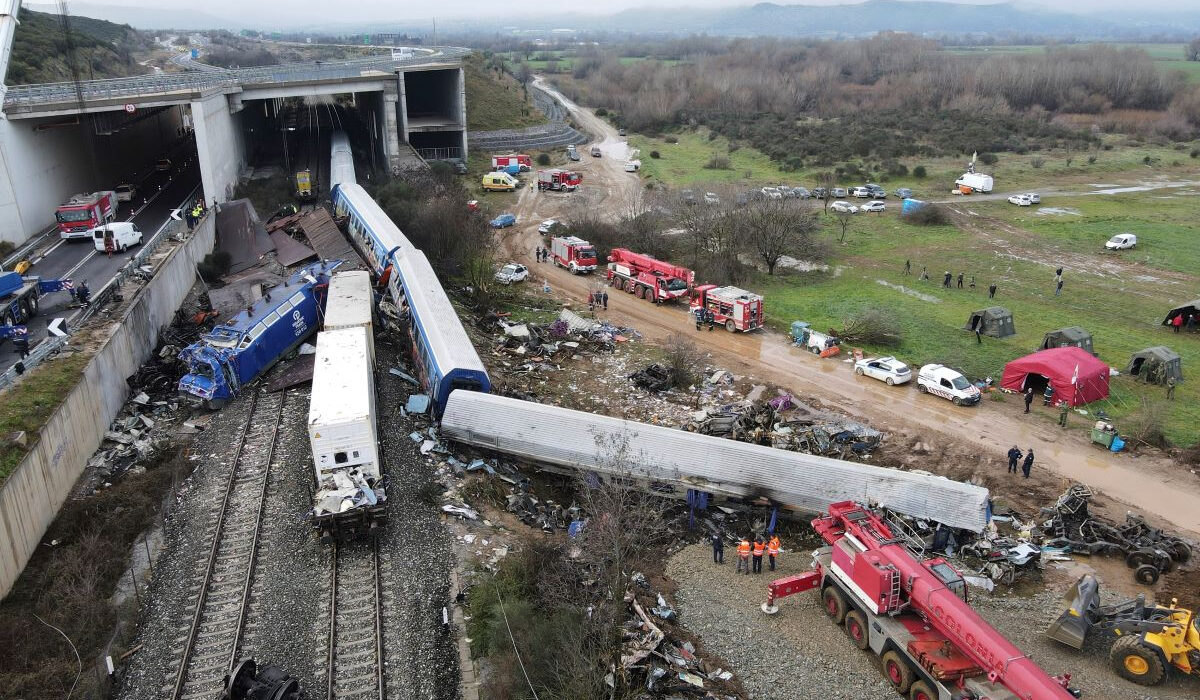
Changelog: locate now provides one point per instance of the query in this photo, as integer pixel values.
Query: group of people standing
(750, 552)
(1014, 456)
(541, 254)
(1186, 322)
(948, 279)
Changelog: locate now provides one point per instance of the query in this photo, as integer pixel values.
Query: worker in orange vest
(773, 550)
(758, 552)
(743, 555)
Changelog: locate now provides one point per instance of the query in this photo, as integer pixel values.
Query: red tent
(1077, 376)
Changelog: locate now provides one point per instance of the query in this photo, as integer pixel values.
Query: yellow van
(500, 182)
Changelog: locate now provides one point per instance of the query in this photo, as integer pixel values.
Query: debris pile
(344, 491)
(785, 423)
(654, 377)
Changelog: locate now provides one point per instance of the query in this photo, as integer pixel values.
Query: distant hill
(102, 49)
(150, 17)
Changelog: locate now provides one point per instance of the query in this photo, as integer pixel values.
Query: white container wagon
(351, 304)
(348, 498)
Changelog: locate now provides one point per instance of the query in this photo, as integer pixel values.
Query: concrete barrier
(33, 493)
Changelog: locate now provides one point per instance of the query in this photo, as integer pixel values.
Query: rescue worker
(83, 294)
(710, 317)
(699, 313)
(759, 548)
(1014, 455)
(772, 550)
(1062, 413)
(1048, 395)
(718, 547)
(1028, 398)
(537, 253)
(21, 341)
(1171, 387)
(743, 556)
(946, 279)
(1028, 463)
(992, 290)
(960, 280)
(908, 267)
(604, 299)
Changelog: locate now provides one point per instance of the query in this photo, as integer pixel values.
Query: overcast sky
(255, 11)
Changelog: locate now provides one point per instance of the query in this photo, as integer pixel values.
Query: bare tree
(843, 219)
(827, 179)
(1192, 50)
(776, 228)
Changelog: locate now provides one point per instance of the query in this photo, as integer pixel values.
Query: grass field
(28, 405)
(496, 101)
(682, 164)
(1170, 57)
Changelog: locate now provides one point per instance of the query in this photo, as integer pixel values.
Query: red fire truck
(84, 212)
(573, 253)
(647, 277)
(522, 161)
(736, 308)
(559, 180)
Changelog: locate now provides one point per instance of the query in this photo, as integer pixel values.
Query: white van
(942, 381)
(117, 236)
(632, 166)
(860, 192)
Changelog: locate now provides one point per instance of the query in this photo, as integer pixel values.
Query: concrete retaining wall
(39, 170)
(30, 499)
(219, 146)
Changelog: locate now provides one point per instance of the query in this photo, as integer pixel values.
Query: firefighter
(83, 294)
(718, 547)
(759, 547)
(743, 556)
(21, 341)
(772, 550)
(710, 317)
(699, 317)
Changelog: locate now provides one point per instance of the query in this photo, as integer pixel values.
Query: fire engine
(523, 162)
(738, 309)
(559, 180)
(83, 212)
(647, 277)
(573, 253)
(913, 613)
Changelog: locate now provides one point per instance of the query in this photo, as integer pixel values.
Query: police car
(942, 381)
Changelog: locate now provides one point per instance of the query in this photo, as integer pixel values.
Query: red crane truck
(523, 162)
(913, 613)
(573, 253)
(559, 180)
(647, 277)
(84, 212)
(736, 308)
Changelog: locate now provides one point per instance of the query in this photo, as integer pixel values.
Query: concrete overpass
(45, 145)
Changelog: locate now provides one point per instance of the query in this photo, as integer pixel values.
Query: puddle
(791, 263)
(1058, 211)
(911, 292)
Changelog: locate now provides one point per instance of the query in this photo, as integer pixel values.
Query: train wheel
(1136, 661)
(856, 629)
(898, 672)
(1181, 551)
(835, 604)
(921, 691)
(1147, 574)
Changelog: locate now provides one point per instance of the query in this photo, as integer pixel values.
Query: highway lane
(78, 260)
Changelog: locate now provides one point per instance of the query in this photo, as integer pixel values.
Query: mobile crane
(647, 276)
(913, 613)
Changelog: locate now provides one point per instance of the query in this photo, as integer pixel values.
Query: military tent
(1071, 336)
(1076, 375)
(1192, 307)
(994, 321)
(1155, 364)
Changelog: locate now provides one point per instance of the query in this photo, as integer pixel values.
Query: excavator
(1150, 638)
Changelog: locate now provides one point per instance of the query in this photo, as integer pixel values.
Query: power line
(514, 643)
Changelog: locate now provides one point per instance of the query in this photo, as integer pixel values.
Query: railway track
(355, 662)
(219, 615)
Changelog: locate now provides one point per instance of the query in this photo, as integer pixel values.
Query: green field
(1170, 57)
(496, 102)
(681, 164)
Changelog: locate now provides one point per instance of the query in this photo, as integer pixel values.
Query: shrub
(988, 158)
(926, 215)
(215, 265)
(672, 139)
(543, 159)
(1092, 160)
(1195, 154)
(874, 327)
(601, 112)
(654, 154)
(919, 171)
(1037, 161)
(718, 162)
(7, 247)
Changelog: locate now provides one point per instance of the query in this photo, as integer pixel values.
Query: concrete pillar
(219, 146)
(391, 127)
(402, 107)
(462, 109)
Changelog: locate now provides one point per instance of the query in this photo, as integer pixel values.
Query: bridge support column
(392, 108)
(219, 146)
(462, 109)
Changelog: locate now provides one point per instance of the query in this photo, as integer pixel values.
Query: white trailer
(977, 182)
(351, 304)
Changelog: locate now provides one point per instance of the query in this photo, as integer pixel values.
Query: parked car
(873, 205)
(742, 199)
(632, 166)
(942, 381)
(503, 221)
(621, 131)
(843, 207)
(1034, 197)
(1021, 200)
(547, 226)
(771, 193)
(596, 151)
(861, 192)
(903, 192)
(163, 164)
(512, 273)
(819, 193)
(785, 192)
(711, 198)
(459, 167)
(801, 192)
(876, 191)
(888, 370)
(687, 197)
(125, 192)
(1121, 241)
(572, 152)
(838, 192)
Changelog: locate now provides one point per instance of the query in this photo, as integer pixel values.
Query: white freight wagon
(351, 304)
(348, 496)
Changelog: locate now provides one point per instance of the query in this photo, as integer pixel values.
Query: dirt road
(1157, 486)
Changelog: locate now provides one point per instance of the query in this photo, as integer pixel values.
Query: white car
(771, 193)
(125, 192)
(1034, 197)
(888, 370)
(942, 381)
(711, 198)
(547, 226)
(511, 273)
(873, 205)
(1021, 200)
(860, 192)
(841, 206)
(1121, 241)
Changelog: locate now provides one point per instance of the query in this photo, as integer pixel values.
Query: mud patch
(911, 292)
(1058, 211)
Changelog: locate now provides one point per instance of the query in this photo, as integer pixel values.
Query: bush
(718, 162)
(672, 139)
(926, 215)
(1037, 161)
(988, 158)
(543, 159)
(873, 327)
(919, 171)
(214, 266)
(1195, 154)
(1092, 160)
(601, 112)
(654, 154)
(7, 247)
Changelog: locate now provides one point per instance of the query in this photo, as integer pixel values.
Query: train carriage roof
(447, 340)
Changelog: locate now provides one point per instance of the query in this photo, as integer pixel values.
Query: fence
(448, 153)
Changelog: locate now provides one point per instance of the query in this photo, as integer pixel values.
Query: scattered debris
(654, 377)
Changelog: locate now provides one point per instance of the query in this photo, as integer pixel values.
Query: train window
(257, 330)
(339, 458)
(284, 308)
(271, 318)
(297, 299)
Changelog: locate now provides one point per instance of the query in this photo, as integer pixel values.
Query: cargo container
(351, 304)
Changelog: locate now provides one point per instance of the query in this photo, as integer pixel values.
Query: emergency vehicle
(84, 212)
(573, 253)
(736, 308)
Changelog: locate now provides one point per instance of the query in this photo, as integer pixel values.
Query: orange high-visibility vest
(744, 548)
(758, 548)
(773, 546)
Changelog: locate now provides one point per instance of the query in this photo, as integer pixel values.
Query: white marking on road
(47, 253)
